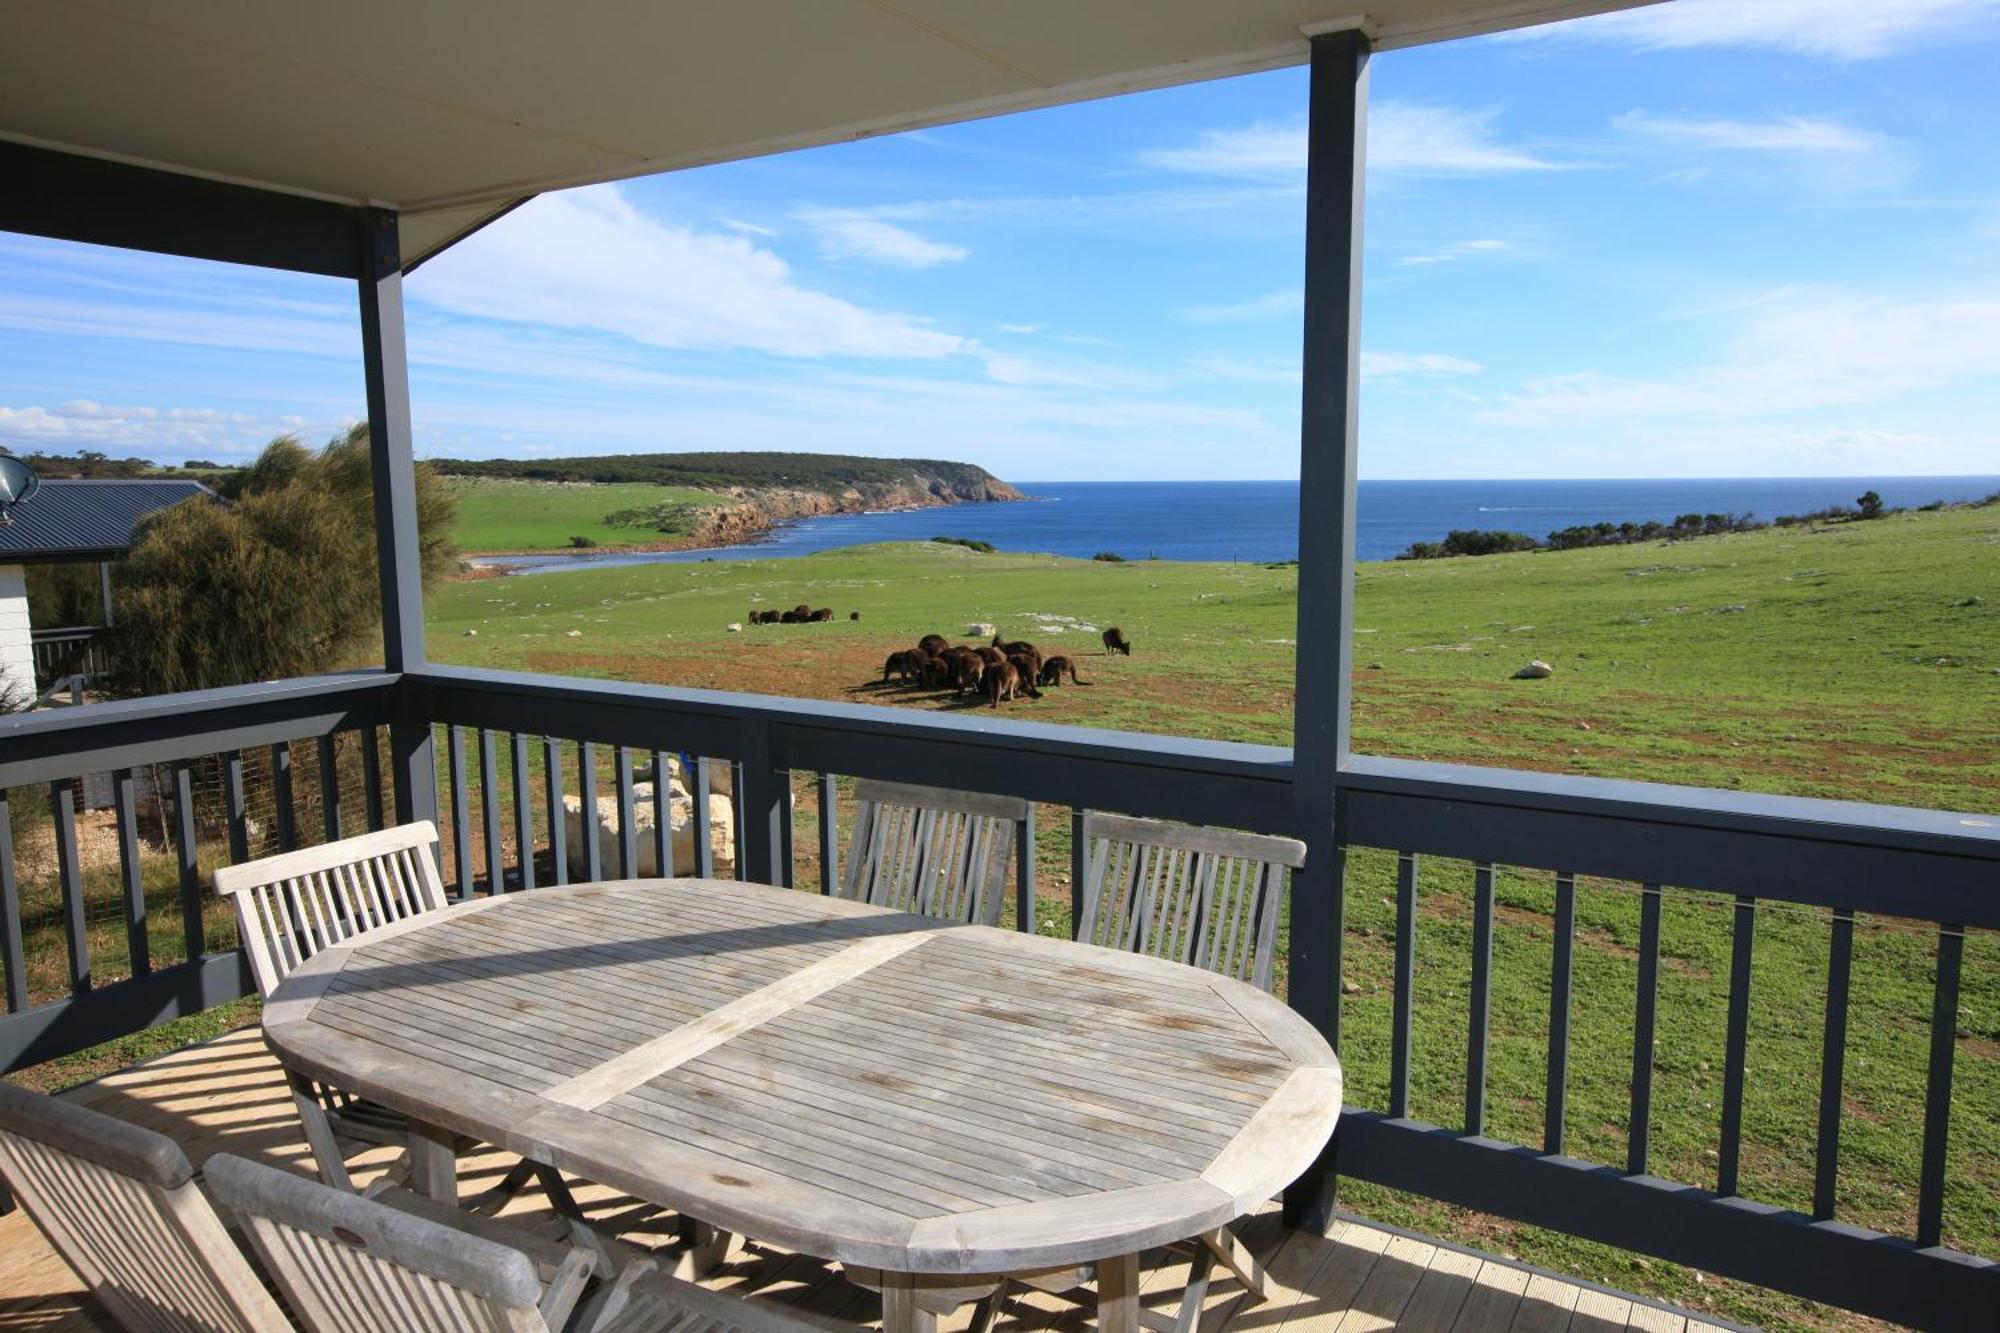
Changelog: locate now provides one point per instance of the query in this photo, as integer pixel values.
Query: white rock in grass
(979, 630)
(1535, 670)
(735, 627)
(680, 811)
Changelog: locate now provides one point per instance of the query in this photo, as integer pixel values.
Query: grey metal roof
(86, 519)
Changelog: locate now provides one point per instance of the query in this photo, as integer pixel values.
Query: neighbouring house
(72, 521)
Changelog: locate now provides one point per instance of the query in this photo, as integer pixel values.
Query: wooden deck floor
(228, 1095)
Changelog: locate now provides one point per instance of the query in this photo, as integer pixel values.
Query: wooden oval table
(895, 1092)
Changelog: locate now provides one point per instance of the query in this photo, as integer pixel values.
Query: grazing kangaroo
(1055, 668)
(1029, 668)
(966, 669)
(989, 654)
(905, 663)
(999, 681)
(933, 643)
(1116, 642)
(823, 613)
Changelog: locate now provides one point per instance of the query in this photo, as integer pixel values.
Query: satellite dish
(17, 482)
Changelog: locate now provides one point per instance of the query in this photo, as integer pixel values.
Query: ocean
(1257, 521)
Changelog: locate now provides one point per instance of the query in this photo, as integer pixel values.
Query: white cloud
(1023, 328)
(1451, 254)
(1795, 356)
(747, 228)
(1838, 29)
(588, 259)
(1784, 134)
(1397, 365)
(168, 434)
(1285, 301)
(1409, 138)
(844, 234)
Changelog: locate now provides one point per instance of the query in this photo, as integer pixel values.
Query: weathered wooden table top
(888, 1090)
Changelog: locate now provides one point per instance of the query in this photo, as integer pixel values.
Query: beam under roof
(450, 111)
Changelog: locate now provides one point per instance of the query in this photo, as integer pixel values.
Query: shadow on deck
(229, 1095)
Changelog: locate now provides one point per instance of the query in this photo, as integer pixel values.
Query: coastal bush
(1109, 557)
(1471, 541)
(583, 543)
(1870, 504)
(672, 517)
(280, 581)
(970, 544)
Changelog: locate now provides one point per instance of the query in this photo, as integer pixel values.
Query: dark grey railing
(509, 747)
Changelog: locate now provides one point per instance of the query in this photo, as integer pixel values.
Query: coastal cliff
(752, 511)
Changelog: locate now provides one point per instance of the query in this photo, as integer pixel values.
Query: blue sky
(1709, 238)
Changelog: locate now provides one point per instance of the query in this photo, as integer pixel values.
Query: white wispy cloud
(1404, 137)
(747, 228)
(1792, 357)
(1023, 328)
(1397, 365)
(1835, 29)
(589, 259)
(1285, 301)
(168, 433)
(1781, 134)
(1451, 254)
(846, 234)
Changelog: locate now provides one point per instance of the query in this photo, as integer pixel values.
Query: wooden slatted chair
(1209, 897)
(291, 906)
(1205, 896)
(120, 1205)
(930, 850)
(347, 1263)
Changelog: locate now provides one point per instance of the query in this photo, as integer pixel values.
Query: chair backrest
(348, 1264)
(290, 906)
(120, 1205)
(1207, 896)
(931, 850)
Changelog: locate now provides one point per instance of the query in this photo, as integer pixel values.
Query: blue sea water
(1258, 520)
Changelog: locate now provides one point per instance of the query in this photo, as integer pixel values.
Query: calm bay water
(1257, 520)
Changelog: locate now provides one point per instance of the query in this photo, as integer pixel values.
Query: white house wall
(17, 656)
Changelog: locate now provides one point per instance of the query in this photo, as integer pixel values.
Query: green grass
(514, 516)
(1859, 662)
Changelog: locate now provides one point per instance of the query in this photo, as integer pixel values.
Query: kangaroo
(999, 681)
(933, 643)
(823, 613)
(966, 669)
(1028, 668)
(1055, 668)
(904, 663)
(989, 654)
(1116, 642)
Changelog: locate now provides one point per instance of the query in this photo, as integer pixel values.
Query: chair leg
(319, 1136)
(1233, 1255)
(1196, 1292)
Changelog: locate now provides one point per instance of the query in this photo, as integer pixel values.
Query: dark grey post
(104, 591)
(385, 365)
(1335, 154)
(764, 812)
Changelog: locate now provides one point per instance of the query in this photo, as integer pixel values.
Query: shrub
(280, 581)
(1870, 504)
(582, 543)
(970, 544)
(1111, 557)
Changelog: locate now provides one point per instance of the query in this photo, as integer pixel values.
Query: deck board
(228, 1095)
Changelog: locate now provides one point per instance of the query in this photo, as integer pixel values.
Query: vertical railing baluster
(1555, 1106)
(1644, 1021)
(1024, 872)
(281, 796)
(1404, 984)
(829, 834)
(1832, 1064)
(663, 819)
(329, 789)
(187, 858)
(371, 775)
(13, 955)
(704, 849)
(1736, 1048)
(69, 870)
(628, 830)
(124, 802)
(524, 818)
(1937, 1095)
(591, 829)
(1079, 869)
(1481, 1001)
(461, 811)
(552, 757)
(236, 808)
(739, 816)
(489, 814)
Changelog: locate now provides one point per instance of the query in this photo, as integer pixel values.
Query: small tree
(280, 580)
(1871, 504)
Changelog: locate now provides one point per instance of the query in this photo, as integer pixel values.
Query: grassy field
(514, 516)
(1860, 662)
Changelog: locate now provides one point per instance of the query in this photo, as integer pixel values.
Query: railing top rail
(56, 634)
(1948, 832)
